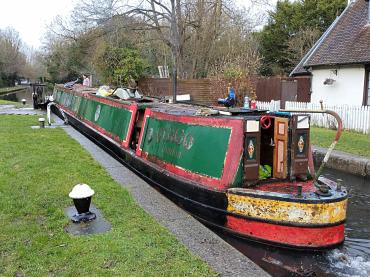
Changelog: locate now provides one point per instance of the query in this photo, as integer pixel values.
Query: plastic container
(246, 102)
(253, 104)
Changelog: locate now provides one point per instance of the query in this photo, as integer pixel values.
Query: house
(339, 62)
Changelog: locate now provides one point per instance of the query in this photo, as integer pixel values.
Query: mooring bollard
(42, 122)
(339, 184)
(81, 195)
(299, 190)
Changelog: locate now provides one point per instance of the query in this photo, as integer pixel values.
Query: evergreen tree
(289, 20)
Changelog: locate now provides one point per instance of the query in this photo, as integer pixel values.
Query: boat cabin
(245, 171)
(246, 146)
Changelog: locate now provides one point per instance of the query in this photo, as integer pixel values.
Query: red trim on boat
(212, 183)
(287, 187)
(235, 148)
(133, 108)
(108, 101)
(288, 235)
(138, 149)
(101, 130)
(124, 143)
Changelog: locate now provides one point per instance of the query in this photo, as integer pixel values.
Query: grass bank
(11, 89)
(6, 102)
(37, 171)
(350, 142)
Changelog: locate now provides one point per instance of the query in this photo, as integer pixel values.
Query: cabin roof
(186, 109)
(194, 110)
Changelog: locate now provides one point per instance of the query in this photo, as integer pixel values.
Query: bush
(121, 65)
(233, 72)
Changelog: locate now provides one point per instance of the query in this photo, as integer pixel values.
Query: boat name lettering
(173, 135)
(172, 152)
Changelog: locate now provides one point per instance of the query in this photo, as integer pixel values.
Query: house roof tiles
(347, 41)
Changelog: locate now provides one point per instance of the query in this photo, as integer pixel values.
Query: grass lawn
(350, 142)
(6, 102)
(38, 168)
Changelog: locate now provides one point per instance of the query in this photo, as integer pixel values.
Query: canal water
(17, 96)
(350, 259)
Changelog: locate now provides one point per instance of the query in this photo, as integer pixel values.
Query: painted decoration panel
(281, 128)
(112, 119)
(301, 144)
(280, 157)
(251, 149)
(115, 120)
(196, 148)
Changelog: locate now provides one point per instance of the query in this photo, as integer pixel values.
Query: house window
(367, 89)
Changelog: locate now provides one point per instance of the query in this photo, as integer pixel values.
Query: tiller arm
(337, 136)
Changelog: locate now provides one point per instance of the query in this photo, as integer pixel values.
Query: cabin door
(281, 147)
(300, 144)
(251, 151)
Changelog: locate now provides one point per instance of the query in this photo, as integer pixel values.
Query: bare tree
(196, 36)
(11, 57)
(163, 17)
(166, 18)
(300, 43)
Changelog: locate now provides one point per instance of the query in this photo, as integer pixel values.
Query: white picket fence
(355, 118)
(271, 106)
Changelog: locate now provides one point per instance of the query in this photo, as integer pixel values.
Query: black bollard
(81, 195)
(42, 122)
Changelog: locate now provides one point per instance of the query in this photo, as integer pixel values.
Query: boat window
(137, 129)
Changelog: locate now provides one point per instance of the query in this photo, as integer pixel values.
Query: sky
(31, 17)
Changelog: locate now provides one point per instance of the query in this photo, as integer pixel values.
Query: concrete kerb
(344, 162)
(202, 242)
(368, 169)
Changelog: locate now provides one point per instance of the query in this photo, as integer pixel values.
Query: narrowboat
(243, 171)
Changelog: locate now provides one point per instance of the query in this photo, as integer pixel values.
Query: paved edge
(12, 110)
(344, 162)
(219, 255)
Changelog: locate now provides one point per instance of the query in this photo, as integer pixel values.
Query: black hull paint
(208, 206)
